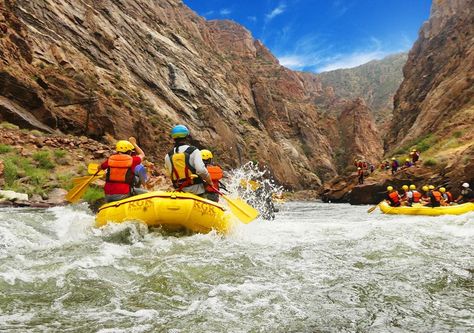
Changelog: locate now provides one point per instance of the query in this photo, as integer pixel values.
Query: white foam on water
(314, 264)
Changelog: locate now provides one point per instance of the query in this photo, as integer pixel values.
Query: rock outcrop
(135, 67)
(433, 109)
(437, 94)
(376, 82)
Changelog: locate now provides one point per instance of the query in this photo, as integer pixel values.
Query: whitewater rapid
(315, 268)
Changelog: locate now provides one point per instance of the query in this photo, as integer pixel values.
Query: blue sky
(321, 35)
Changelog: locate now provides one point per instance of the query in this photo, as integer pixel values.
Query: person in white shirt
(184, 164)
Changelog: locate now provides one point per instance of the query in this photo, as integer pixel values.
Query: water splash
(256, 186)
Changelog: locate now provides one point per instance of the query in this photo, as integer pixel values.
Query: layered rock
(121, 68)
(437, 94)
(376, 81)
(433, 109)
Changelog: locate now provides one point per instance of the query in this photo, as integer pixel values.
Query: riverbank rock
(13, 196)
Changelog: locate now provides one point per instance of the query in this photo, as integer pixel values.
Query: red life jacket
(394, 199)
(119, 170)
(216, 174)
(450, 197)
(416, 196)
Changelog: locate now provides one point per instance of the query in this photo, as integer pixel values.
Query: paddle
(76, 193)
(371, 209)
(92, 168)
(242, 210)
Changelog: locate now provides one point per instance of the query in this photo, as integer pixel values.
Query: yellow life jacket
(183, 174)
(120, 169)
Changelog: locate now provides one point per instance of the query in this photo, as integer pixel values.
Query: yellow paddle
(76, 193)
(371, 209)
(92, 168)
(242, 210)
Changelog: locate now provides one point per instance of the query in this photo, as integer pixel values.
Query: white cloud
(208, 13)
(352, 60)
(275, 12)
(293, 61)
(252, 18)
(225, 11)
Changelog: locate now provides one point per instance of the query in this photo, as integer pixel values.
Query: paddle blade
(92, 169)
(76, 193)
(242, 210)
(80, 180)
(371, 209)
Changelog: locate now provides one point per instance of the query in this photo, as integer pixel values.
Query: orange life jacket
(182, 172)
(437, 196)
(120, 169)
(450, 196)
(216, 174)
(394, 199)
(416, 196)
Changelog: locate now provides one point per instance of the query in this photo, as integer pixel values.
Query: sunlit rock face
(133, 67)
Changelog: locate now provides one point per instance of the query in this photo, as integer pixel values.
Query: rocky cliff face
(376, 81)
(437, 94)
(433, 109)
(118, 68)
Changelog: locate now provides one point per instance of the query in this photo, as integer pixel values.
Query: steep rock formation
(376, 82)
(121, 68)
(437, 94)
(359, 136)
(433, 109)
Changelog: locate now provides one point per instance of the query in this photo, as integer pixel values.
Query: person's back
(216, 174)
(184, 164)
(435, 198)
(393, 197)
(120, 171)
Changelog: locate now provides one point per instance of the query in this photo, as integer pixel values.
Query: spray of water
(256, 186)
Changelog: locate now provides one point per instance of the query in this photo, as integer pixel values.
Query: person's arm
(168, 165)
(139, 151)
(104, 165)
(200, 167)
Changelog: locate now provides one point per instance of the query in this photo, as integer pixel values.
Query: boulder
(13, 196)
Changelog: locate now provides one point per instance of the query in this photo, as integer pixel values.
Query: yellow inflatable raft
(171, 210)
(423, 210)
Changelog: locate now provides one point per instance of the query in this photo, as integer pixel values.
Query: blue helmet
(179, 131)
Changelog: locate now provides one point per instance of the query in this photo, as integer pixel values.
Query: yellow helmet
(206, 154)
(425, 188)
(390, 188)
(412, 187)
(405, 187)
(393, 158)
(431, 187)
(124, 146)
(442, 189)
(407, 160)
(414, 149)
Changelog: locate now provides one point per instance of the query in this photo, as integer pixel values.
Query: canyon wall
(111, 69)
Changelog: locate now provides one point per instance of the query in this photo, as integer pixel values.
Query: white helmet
(465, 185)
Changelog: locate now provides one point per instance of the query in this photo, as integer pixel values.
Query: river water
(315, 268)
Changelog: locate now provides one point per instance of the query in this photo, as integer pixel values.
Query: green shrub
(8, 125)
(65, 180)
(5, 149)
(10, 173)
(59, 153)
(458, 134)
(93, 194)
(44, 159)
(430, 162)
(36, 133)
